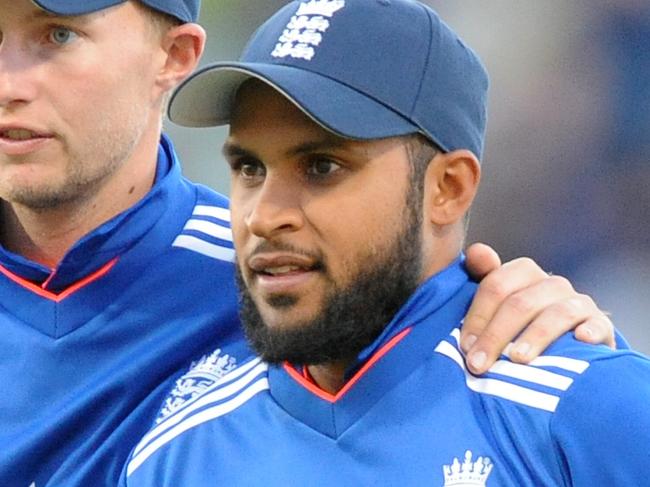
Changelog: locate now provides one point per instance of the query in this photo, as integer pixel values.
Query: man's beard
(353, 316)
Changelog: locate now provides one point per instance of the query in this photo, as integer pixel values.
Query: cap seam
(426, 64)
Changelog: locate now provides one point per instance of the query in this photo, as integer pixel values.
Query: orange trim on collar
(315, 389)
(36, 289)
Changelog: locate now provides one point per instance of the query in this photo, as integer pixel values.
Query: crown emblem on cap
(467, 474)
(320, 7)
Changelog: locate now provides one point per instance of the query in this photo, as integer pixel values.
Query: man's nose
(16, 76)
(276, 209)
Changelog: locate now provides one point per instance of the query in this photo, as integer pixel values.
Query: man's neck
(329, 377)
(46, 235)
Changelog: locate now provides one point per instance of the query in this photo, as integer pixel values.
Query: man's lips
(17, 140)
(277, 273)
(280, 263)
(22, 132)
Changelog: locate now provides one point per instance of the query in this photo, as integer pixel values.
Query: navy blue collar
(107, 241)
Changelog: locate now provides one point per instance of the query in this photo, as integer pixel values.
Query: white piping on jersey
(531, 374)
(216, 392)
(566, 363)
(212, 229)
(206, 248)
(209, 228)
(204, 416)
(528, 373)
(213, 211)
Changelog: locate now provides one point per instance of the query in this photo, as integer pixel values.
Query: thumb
(481, 260)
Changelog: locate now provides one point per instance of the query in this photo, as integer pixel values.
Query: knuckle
(520, 304)
(588, 302)
(541, 332)
(494, 287)
(525, 263)
(603, 325)
(569, 310)
(474, 321)
(560, 281)
(489, 340)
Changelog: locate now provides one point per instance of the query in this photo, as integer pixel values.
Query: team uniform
(411, 414)
(90, 350)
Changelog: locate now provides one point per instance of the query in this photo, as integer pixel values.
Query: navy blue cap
(363, 69)
(185, 10)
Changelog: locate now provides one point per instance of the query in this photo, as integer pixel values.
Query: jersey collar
(436, 307)
(106, 242)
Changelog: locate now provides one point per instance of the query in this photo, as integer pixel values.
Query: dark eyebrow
(231, 149)
(324, 144)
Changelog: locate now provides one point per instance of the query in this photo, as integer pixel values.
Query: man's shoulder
(574, 376)
(610, 377)
(542, 384)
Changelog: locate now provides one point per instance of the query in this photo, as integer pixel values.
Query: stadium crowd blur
(567, 160)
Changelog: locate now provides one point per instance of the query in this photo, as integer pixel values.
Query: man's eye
(322, 167)
(61, 35)
(251, 170)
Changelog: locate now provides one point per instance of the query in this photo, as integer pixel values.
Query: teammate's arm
(518, 300)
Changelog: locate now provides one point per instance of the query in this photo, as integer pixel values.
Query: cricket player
(356, 131)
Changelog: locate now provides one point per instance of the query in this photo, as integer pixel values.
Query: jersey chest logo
(468, 473)
(202, 374)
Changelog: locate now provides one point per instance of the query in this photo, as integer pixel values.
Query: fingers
(495, 289)
(579, 312)
(506, 301)
(480, 260)
(519, 301)
(597, 330)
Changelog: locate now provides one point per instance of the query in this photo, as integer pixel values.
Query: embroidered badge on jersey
(468, 473)
(201, 375)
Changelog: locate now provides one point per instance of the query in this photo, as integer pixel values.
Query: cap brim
(206, 99)
(74, 7)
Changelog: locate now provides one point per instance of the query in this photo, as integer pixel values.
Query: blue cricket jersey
(412, 415)
(90, 349)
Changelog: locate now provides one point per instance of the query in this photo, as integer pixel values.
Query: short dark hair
(420, 151)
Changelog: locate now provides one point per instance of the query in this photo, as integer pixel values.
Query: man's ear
(183, 46)
(451, 183)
